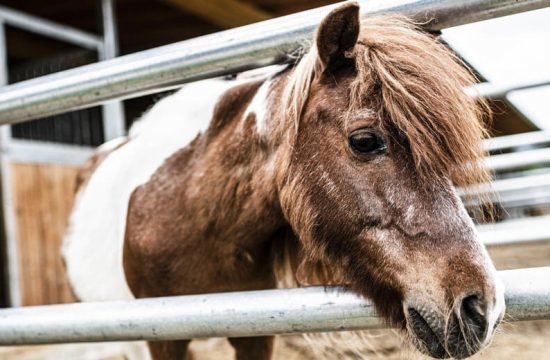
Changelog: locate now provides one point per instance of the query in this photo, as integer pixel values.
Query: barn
(41, 157)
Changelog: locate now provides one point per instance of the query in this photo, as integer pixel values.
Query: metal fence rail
(510, 190)
(237, 314)
(53, 30)
(222, 53)
(495, 91)
(515, 160)
(517, 140)
(531, 229)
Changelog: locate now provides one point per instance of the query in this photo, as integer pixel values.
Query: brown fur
(218, 213)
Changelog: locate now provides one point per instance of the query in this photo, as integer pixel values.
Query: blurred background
(41, 158)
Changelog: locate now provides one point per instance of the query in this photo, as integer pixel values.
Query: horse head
(377, 132)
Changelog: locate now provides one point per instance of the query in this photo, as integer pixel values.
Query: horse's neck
(243, 161)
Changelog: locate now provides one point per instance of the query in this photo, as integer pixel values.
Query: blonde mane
(419, 84)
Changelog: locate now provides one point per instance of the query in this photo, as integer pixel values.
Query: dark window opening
(82, 127)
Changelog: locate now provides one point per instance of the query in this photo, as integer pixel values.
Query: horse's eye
(366, 142)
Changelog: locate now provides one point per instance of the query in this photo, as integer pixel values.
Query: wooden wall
(43, 197)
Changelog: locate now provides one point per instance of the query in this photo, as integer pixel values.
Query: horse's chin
(436, 349)
(428, 344)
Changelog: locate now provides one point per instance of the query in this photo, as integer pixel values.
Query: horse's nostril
(473, 317)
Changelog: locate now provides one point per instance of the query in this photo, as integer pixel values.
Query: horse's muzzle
(459, 334)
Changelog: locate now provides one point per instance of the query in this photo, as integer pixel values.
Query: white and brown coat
(347, 159)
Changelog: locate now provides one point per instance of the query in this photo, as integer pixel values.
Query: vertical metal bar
(110, 36)
(7, 197)
(113, 112)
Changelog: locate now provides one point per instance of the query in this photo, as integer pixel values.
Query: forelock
(420, 87)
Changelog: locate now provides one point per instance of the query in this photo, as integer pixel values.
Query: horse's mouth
(426, 339)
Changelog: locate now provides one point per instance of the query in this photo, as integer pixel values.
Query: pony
(337, 168)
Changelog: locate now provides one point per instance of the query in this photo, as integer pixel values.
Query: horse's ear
(338, 34)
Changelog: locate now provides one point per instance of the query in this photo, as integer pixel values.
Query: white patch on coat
(259, 106)
(93, 244)
(270, 70)
(111, 144)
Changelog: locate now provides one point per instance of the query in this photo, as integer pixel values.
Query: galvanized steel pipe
(217, 54)
(48, 28)
(496, 91)
(236, 314)
(517, 140)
